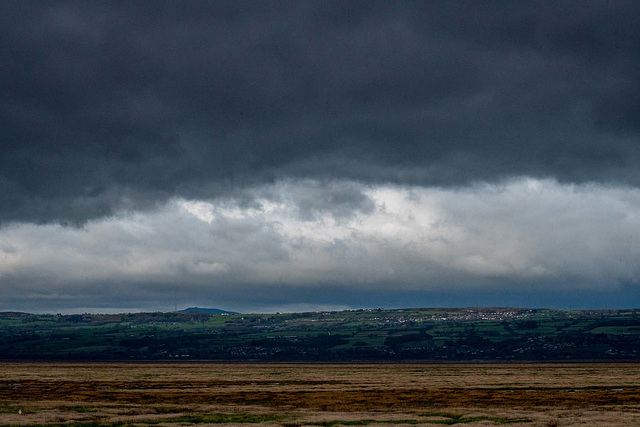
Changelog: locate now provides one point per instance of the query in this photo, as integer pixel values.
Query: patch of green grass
(12, 410)
(462, 419)
(219, 419)
(613, 330)
(89, 424)
(81, 409)
(453, 419)
(187, 419)
(499, 420)
(166, 410)
(361, 422)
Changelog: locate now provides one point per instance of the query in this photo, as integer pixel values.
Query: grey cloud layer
(507, 238)
(111, 106)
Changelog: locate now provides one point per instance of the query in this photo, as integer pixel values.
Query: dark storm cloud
(121, 105)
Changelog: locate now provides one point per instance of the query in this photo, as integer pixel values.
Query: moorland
(319, 394)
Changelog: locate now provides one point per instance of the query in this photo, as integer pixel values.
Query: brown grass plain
(182, 394)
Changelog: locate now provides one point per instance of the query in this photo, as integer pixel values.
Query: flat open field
(319, 394)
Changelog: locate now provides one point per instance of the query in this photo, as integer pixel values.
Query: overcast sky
(263, 156)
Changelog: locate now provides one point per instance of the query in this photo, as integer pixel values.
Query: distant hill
(206, 310)
(411, 334)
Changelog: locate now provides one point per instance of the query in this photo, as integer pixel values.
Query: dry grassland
(115, 394)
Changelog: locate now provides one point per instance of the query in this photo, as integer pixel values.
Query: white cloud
(520, 232)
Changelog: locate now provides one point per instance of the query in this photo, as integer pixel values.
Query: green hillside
(402, 334)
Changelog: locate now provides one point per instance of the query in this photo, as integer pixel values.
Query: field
(181, 394)
(402, 335)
